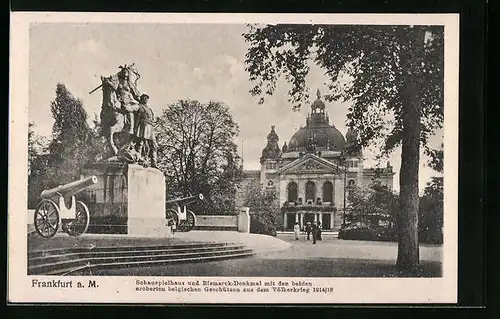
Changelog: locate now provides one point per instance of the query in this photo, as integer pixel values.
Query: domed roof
(324, 137)
(318, 104)
(272, 149)
(318, 133)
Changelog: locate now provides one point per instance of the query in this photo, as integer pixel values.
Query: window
(310, 191)
(292, 192)
(350, 183)
(327, 192)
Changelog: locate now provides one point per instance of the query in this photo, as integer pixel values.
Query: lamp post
(345, 184)
(342, 161)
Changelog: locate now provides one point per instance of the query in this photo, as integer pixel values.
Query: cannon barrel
(185, 200)
(70, 189)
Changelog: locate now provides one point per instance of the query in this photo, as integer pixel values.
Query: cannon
(176, 211)
(58, 208)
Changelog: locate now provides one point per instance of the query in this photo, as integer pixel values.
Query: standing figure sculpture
(144, 132)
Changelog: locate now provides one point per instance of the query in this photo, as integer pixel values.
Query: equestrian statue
(126, 119)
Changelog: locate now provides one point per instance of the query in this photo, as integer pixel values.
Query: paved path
(328, 258)
(350, 249)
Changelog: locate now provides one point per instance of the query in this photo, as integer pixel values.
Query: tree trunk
(408, 252)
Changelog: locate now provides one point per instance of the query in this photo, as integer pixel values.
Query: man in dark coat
(308, 229)
(314, 231)
(144, 132)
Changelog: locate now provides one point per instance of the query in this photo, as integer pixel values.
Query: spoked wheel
(188, 224)
(171, 214)
(46, 219)
(79, 225)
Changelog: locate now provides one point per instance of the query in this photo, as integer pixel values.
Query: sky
(176, 61)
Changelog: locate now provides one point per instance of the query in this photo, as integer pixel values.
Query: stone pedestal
(127, 199)
(244, 220)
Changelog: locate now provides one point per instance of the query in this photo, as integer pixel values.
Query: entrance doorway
(308, 217)
(326, 221)
(290, 221)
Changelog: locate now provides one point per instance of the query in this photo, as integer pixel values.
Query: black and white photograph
(233, 158)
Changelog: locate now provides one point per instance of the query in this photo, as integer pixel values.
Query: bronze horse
(112, 115)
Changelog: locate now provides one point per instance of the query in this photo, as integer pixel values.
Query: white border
(122, 289)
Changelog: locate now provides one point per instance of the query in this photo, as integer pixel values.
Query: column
(332, 220)
(284, 220)
(296, 217)
(321, 219)
(339, 193)
(315, 217)
(301, 220)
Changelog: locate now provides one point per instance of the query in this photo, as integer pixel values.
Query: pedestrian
(296, 230)
(308, 229)
(314, 231)
(320, 229)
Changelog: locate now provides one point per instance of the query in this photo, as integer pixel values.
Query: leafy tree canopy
(73, 144)
(367, 64)
(197, 152)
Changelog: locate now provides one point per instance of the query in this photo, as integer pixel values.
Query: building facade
(313, 174)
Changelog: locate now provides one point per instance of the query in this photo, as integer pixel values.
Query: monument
(130, 195)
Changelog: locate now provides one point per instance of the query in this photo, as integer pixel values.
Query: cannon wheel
(79, 225)
(189, 223)
(46, 219)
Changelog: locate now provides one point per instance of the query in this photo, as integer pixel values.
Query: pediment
(310, 164)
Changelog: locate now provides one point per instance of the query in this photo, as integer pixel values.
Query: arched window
(350, 183)
(292, 192)
(327, 192)
(310, 191)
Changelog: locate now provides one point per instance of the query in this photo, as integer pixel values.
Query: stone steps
(78, 260)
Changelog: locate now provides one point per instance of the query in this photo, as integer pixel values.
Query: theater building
(312, 173)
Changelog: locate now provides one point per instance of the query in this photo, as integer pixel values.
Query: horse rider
(144, 132)
(127, 94)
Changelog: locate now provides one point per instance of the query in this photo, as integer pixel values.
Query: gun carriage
(176, 211)
(58, 208)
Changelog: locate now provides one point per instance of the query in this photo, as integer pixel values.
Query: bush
(259, 225)
(367, 233)
(362, 232)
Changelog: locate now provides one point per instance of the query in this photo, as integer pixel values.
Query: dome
(318, 104)
(325, 137)
(272, 149)
(318, 133)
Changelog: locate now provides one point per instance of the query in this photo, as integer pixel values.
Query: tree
(198, 154)
(73, 145)
(36, 146)
(436, 158)
(392, 75)
(431, 212)
(37, 165)
(373, 203)
(264, 208)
